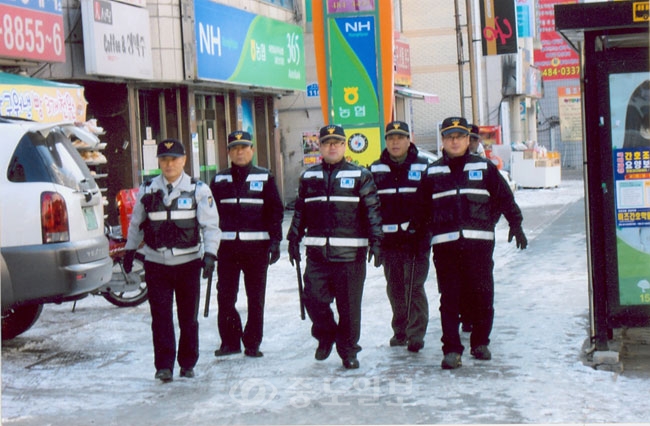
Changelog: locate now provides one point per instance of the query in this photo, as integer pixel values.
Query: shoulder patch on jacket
(257, 177)
(435, 170)
(348, 174)
(476, 166)
(376, 168)
(419, 166)
(219, 178)
(313, 174)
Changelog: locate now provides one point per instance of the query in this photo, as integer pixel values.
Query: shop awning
(429, 98)
(41, 100)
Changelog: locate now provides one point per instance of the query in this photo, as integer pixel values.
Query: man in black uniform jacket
(397, 174)
(337, 212)
(251, 214)
(462, 198)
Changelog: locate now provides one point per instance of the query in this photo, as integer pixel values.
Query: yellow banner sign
(41, 100)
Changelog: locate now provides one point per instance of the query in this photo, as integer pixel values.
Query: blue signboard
(36, 5)
(240, 47)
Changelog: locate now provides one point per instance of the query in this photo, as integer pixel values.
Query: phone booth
(613, 40)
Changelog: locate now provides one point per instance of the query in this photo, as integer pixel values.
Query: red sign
(402, 61)
(556, 60)
(31, 34)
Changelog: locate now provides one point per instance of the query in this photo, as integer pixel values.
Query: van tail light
(54, 218)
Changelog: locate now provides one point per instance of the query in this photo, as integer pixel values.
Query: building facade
(198, 69)
(192, 70)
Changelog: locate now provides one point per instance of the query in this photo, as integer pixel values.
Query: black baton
(302, 304)
(206, 310)
(410, 289)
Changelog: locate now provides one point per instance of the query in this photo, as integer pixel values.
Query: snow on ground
(95, 365)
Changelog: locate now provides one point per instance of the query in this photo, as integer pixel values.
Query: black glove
(127, 262)
(375, 251)
(294, 251)
(520, 238)
(274, 252)
(208, 263)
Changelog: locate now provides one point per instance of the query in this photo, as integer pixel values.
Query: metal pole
(469, 11)
(461, 59)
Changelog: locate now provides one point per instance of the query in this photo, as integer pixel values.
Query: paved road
(94, 365)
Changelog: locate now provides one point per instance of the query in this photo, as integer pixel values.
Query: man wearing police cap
(461, 199)
(475, 144)
(171, 212)
(251, 214)
(337, 213)
(398, 173)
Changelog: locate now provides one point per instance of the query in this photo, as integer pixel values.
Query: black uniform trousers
(464, 270)
(251, 258)
(163, 283)
(343, 281)
(408, 323)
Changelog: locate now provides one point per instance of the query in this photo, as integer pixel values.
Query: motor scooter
(124, 290)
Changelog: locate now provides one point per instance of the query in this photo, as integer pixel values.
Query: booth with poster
(613, 37)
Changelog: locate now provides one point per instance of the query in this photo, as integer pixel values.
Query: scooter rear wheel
(131, 298)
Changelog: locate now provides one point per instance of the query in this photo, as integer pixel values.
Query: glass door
(211, 128)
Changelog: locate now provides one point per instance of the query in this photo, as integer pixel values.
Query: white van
(52, 243)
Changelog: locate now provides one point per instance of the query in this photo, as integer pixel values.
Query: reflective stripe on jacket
(249, 204)
(337, 211)
(464, 198)
(397, 185)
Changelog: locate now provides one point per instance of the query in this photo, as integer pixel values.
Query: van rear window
(49, 159)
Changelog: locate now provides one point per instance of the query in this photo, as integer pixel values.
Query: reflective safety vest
(397, 185)
(334, 218)
(174, 226)
(241, 207)
(339, 212)
(467, 203)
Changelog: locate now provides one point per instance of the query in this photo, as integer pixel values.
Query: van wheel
(19, 319)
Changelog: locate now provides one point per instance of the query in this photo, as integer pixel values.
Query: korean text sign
(32, 29)
(240, 47)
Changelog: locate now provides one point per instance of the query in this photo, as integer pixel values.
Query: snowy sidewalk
(95, 366)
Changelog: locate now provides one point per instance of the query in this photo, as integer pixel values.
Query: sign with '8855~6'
(32, 30)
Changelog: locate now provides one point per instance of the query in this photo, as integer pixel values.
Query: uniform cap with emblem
(454, 125)
(331, 132)
(170, 148)
(239, 137)
(397, 128)
(473, 131)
